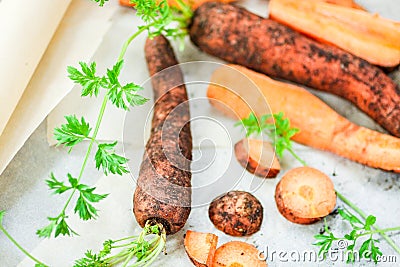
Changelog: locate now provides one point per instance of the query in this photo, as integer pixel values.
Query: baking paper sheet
(116, 219)
(76, 39)
(26, 30)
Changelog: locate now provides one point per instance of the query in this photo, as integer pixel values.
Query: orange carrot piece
(257, 157)
(237, 254)
(320, 126)
(200, 247)
(365, 35)
(304, 195)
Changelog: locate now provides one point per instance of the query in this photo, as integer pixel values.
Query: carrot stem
(364, 215)
(20, 247)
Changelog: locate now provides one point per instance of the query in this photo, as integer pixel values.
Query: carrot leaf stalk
(144, 248)
(2, 229)
(276, 127)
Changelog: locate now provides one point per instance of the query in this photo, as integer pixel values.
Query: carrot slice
(320, 126)
(200, 247)
(365, 35)
(258, 157)
(305, 195)
(238, 254)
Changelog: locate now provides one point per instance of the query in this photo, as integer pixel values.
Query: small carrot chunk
(238, 254)
(200, 247)
(305, 195)
(258, 157)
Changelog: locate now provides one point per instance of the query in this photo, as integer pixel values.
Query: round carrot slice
(305, 195)
(238, 254)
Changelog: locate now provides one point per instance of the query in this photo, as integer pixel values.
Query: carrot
(304, 195)
(163, 191)
(365, 35)
(239, 36)
(200, 247)
(236, 213)
(238, 254)
(320, 126)
(346, 3)
(258, 157)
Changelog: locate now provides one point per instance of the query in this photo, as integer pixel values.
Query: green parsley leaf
(122, 96)
(83, 207)
(73, 132)
(375, 251)
(58, 225)
(87, 78)
(101, 2)
(63, 228)
(109, 161)
(370, 221)
(56, 185)
(47, 230)
(90, 260)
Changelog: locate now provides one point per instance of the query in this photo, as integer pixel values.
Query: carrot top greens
(140, 247)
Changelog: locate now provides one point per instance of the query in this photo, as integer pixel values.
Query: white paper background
(26, 198)
(75, 40)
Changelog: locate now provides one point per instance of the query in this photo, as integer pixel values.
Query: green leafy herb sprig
(141, 248)
(360, 229)
(278, 129)
(75, 130)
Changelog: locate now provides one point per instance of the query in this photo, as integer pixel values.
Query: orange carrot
(365, 35)
(200, 247)
(346, 3)
(320, 126)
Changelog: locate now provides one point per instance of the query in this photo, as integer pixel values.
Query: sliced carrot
(304, 195)
(193, 3)
(258, 157)
(320, 126)
(365, 35)
(238, 254)
(200, 247)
